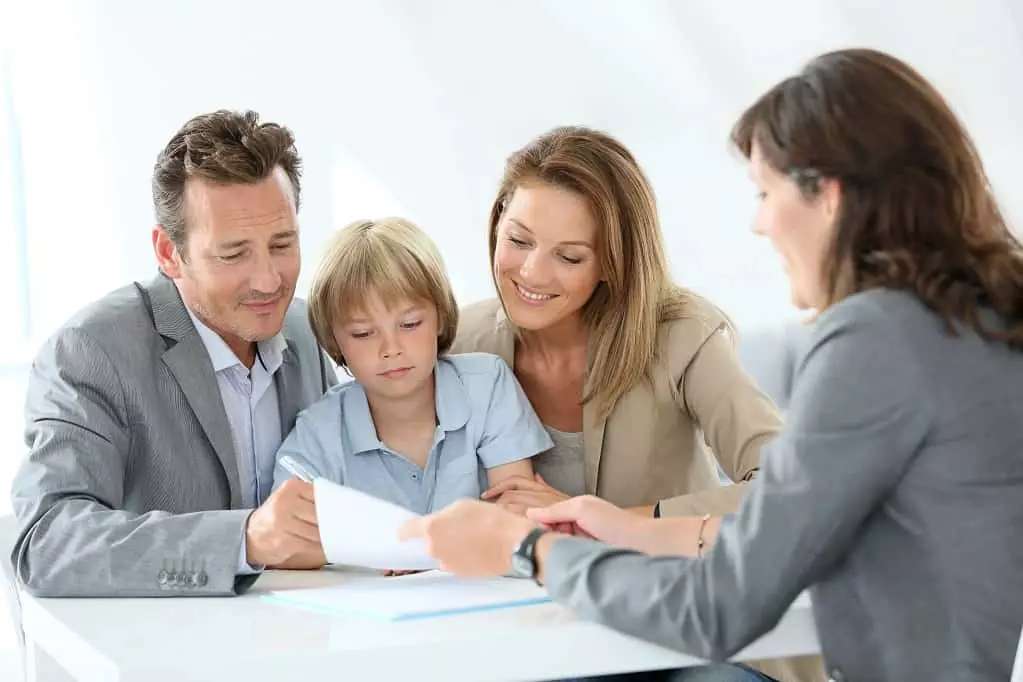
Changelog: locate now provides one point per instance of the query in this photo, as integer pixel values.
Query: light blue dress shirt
(484, 420)
(250, 401)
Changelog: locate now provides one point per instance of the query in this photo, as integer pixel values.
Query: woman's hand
(470, 538)
(517, 494)
(592, 517)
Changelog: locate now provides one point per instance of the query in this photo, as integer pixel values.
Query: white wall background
(410, 107)
(407, 106)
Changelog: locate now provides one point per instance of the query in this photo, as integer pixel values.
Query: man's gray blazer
(131, 485)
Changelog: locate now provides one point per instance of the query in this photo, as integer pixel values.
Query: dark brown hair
(637, 292)
(223, 147)
(917, 211)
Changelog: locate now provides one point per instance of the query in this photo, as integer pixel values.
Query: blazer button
(189, 579)
(201, 579)
(162, 577)
(837, 675)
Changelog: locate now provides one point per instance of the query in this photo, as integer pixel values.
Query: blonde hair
(636, 293)
(391, 257)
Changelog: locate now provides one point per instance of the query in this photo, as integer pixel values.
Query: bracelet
(700, 542)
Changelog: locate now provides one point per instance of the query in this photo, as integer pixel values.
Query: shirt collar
(452, 402)
(358, 421)
(452, 409)
(271, 351)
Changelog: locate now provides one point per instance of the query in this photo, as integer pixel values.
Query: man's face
(241, 259)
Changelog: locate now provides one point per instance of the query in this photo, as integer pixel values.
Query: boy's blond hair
(391, 257)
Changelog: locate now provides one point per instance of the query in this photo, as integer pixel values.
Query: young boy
(416, 427)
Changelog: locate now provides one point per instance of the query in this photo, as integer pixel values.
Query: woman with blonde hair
(635, 378)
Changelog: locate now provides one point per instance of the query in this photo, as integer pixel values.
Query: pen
(296, 469)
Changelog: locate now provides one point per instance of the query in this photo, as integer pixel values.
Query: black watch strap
(527, 550)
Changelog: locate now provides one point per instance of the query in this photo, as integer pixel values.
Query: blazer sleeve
(860, 414)
(74, 538)
(737, 419)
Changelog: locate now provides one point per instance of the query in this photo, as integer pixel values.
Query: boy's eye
(360, 334)
(412, 324)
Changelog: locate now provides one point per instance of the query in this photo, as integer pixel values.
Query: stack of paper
(423, 595)
(357, 529)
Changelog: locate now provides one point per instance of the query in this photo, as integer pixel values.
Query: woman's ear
(831, 198)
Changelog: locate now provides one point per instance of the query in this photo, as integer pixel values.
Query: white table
(250, 638)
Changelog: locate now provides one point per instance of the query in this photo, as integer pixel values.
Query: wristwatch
(523, 559)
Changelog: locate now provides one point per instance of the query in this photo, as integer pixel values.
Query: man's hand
(283, 531)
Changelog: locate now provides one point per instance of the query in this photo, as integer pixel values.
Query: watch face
(521, 566)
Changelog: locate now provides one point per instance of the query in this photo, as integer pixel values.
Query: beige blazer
(663, 441)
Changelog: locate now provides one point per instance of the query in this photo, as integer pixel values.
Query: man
(153, 416)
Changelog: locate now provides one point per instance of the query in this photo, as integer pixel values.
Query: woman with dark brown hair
(894, 493)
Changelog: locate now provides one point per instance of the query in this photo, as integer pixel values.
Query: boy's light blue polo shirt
(484, 420)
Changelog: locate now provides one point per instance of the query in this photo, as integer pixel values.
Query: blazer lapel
(593, 435)
(593, 445)
(189, 363)
(289, 389)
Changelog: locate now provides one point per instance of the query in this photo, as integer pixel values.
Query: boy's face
(390, 351)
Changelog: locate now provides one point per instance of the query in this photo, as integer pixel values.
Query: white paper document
(423, 595)
(357, 529)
